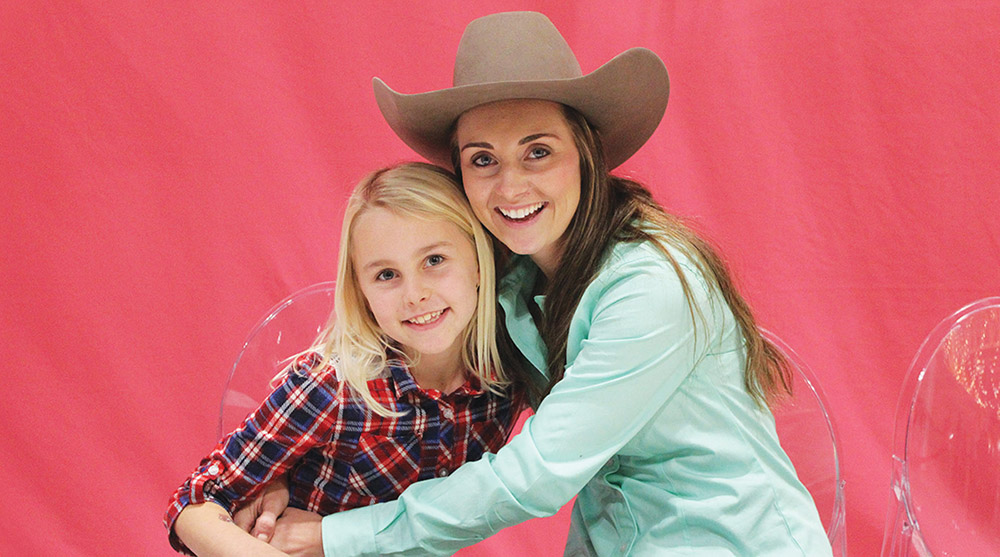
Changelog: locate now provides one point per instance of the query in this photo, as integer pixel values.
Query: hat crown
(513, 46)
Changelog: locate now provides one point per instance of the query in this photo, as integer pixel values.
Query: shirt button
(213, 469)
(448, 413)
(442, 473)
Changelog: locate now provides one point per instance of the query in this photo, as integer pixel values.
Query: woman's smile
(522, 214)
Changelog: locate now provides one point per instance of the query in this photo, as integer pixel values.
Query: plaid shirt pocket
(384, 466)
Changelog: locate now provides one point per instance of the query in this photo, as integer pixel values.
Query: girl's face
(521, 173)
(420, 278)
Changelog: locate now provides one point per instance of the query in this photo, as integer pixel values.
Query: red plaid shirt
(338, 454)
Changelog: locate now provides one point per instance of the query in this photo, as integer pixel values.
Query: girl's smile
(426, 319)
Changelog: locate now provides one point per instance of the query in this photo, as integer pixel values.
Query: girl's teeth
(518, 214)
(426, 318)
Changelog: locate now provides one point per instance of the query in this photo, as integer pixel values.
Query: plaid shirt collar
(403, 385)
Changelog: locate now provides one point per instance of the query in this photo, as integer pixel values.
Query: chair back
(286, 329)
(808, 435)
(946, 448)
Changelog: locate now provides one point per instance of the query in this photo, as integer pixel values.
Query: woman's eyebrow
(532, 137)
(481, 144)
(525, 139)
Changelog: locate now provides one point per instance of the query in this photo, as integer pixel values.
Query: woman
(655, 410)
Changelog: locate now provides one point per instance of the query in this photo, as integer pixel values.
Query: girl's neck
(442, 372)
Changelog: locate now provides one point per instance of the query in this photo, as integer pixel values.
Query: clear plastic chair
(288, 328)
(807, 433)
(946, 460)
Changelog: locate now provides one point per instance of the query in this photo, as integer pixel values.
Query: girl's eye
(387, 274)
(481, 160)
(435, 260)
(538, 152)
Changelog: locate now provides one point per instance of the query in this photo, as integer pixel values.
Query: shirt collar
(512, 292)
(402, 380)
(403, 384)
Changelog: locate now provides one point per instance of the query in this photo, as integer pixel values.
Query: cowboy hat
(521, 55)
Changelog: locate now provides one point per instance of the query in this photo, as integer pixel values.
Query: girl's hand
(262, 513)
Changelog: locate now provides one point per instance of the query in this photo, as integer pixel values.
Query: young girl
(405, 384)
(656, 414)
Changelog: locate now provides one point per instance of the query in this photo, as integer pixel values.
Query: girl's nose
(417, 291)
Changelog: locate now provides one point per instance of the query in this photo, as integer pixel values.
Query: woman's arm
(207, 530)
(639, 346)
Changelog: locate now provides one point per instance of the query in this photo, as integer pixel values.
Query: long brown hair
(614, 209)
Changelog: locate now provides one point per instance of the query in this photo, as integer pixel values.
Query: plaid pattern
(338, 455)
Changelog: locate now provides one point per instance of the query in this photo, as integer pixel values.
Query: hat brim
(624, 100)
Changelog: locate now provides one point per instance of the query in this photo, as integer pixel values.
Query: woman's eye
(538, 152)
(481, 160)
(386, 274)
(435, 260)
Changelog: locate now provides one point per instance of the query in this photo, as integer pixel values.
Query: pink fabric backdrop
(169, 172)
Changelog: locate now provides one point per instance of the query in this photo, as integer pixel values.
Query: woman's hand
(299, 533)
(207, 530)
(262, 513)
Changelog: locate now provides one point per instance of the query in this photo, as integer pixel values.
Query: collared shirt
(338, 454)
(650, 425)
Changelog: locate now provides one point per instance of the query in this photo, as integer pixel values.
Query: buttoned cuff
(349, 533)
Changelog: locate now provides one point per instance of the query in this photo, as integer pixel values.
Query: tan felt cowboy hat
(521, 55)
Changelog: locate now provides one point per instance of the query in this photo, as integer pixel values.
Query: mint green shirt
(650, 426)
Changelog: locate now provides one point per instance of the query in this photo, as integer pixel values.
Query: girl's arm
(299, 414)
(207, 530)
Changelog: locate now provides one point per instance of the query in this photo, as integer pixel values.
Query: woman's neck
(547, 259)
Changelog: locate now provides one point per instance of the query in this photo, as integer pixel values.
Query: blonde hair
(352, 340)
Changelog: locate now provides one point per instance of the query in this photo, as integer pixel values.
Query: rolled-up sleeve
(297, 416)
(631, 345)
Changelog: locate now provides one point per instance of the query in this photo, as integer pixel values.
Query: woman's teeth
(521, 214)
(426, 318)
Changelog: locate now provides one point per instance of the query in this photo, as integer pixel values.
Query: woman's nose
(513, 183)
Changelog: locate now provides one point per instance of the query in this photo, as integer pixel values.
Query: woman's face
(521, 173)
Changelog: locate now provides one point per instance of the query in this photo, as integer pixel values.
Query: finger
(264, 528)
(244, 517)
(275, 501)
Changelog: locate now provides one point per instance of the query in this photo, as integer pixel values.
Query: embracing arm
(638, 348)
(259, 515)
(207, 530)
